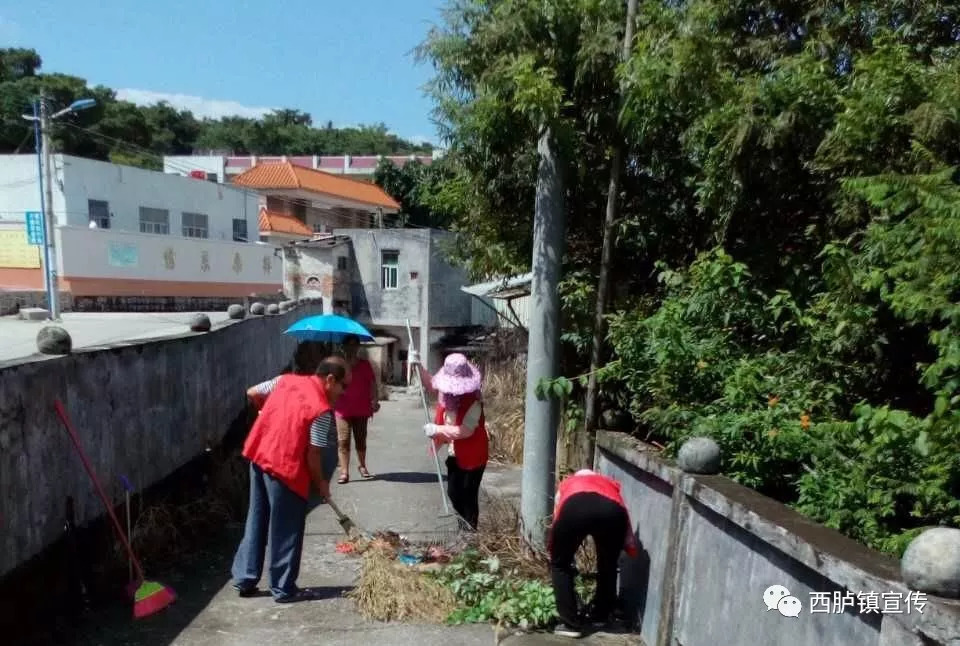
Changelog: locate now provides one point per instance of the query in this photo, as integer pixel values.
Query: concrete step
(34, 314)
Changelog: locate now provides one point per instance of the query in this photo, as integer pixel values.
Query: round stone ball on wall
(931, 562)
(53, 339)
(199, 323)
(699, 455)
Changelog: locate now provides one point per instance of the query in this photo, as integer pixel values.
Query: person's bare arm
(257, 395)
(424, 376)
(450, 432)
(315, 463)
(374, 391)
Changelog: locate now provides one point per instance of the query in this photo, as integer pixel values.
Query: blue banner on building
(34, 222)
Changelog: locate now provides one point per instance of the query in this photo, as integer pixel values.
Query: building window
(275, 204)
(212, 177)
(195, 225)
(299, 210)
(154, 220)
(319, 227)
(99, 212)
(389, 269)
(341, 307)
(239, 230)
(342, 263)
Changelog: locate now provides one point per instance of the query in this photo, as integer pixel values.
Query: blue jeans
(278, 513)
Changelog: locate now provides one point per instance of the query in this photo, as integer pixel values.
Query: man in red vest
(292, 445)
(587, 504)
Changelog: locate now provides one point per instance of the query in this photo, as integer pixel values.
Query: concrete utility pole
(41, 119)
(543, 417)
(591, 413)
(48, 216)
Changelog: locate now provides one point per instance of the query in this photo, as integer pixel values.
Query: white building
(384, 278)
(129, 235)
(223, 168)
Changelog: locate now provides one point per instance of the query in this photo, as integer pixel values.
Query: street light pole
(40, 144)
(53, 292)
(41, 119)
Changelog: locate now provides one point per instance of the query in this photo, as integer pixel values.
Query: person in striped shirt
(323, 431)
(291, 447)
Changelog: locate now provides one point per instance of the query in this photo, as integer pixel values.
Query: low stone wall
(711, 548)
(12, 301)
(142, 410)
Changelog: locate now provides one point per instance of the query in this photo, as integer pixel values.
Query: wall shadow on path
(407, 477)
(634, 581)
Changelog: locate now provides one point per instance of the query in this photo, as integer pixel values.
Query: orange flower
(773, 401)
(804, 421)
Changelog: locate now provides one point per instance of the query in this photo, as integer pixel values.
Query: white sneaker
(564, 630)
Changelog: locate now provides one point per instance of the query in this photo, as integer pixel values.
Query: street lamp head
(81, 104)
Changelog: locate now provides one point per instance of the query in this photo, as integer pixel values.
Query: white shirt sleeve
(470, 420)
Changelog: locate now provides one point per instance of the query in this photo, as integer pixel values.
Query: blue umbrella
(327, 327)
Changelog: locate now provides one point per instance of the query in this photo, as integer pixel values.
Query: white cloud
(200, 107)
(215, 108)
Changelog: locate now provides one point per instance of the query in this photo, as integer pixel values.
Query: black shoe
(563, 630)
(246, 591)
(300, 594)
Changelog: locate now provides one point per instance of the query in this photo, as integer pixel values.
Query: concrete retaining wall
(142, 410)
(710, 548)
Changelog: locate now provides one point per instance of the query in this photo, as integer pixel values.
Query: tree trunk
(591, 412)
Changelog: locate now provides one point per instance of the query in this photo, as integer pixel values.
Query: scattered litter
(394, 546)
(346, 547)
(410, 559)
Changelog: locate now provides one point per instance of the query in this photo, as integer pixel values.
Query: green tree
(781, 275)
(416, 186)
(141, 135)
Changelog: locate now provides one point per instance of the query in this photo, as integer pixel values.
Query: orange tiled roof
(285, 175)
(282, 223)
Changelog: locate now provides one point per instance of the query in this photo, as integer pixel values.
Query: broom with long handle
(149, 597)
(426, 412)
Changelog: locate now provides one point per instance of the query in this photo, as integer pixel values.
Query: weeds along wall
(142, 410)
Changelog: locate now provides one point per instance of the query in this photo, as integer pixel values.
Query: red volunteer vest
(472, 452)
(279, 438)
(598, 484)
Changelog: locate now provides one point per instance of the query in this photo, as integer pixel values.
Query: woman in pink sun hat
(459, 423)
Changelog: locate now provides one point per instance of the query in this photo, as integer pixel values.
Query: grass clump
(391, 591)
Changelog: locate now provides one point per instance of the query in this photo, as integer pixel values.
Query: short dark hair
(304, 360)
(333, 366)
(350, 338)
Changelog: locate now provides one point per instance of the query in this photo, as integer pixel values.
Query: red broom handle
(62, 414)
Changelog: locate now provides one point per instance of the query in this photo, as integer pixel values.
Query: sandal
(364, 473)
(344, 479)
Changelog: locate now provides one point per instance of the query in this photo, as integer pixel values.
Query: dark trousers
(463, 489)
(279, 514)
(582, 515)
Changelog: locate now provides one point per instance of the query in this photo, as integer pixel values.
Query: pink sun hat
(457, 376)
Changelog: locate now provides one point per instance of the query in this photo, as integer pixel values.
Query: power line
(186, 169)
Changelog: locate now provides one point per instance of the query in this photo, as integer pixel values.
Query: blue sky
(349, 63)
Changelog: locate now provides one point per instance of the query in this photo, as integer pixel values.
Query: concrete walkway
(404, 497)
